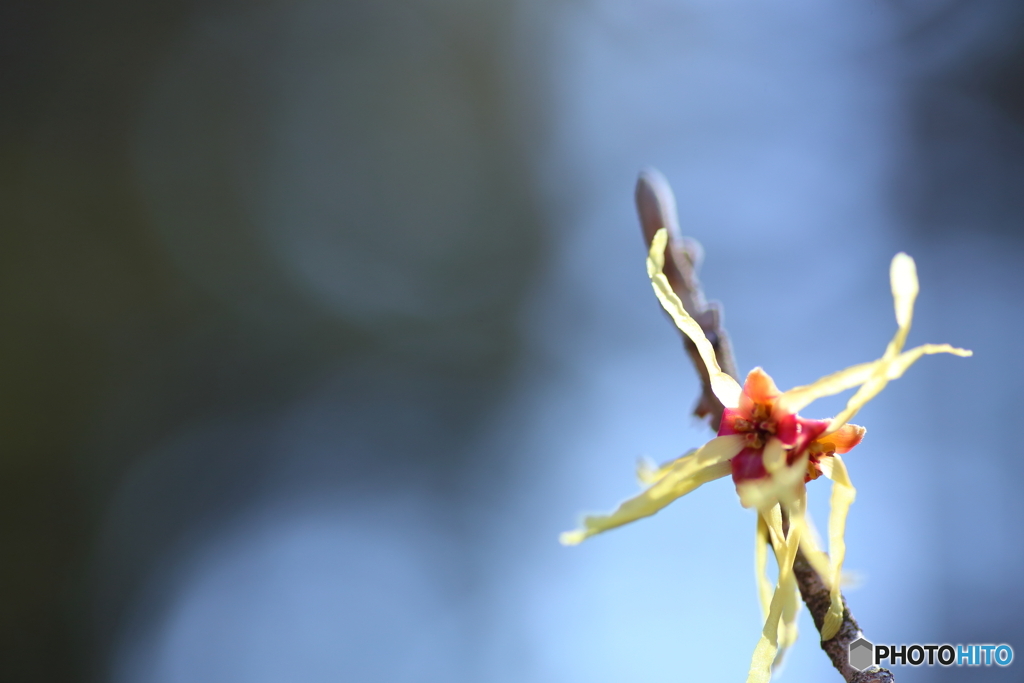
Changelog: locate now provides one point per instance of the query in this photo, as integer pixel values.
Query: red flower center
(757, 425)
(748, 464)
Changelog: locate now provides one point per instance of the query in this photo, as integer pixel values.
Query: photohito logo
(863, 653)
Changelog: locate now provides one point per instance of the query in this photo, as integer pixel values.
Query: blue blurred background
(322, 319)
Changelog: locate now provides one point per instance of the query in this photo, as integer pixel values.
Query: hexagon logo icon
(861, 654)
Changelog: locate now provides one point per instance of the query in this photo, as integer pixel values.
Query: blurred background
(323, 318)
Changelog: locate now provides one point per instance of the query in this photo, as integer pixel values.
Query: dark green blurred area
(78, 265)
(112, 342)
(166, 264)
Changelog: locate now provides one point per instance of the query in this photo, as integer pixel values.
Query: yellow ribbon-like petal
(812, 551)
(788, 631)
(768, 645)
(773, 519)
(843, 495)
(798, 398)
(725, 387)
(718, 449)
(707, 463)
(764, 586)
(903, 280)
(769, 532)
(885, 371)
(648, 472)
(872, 377)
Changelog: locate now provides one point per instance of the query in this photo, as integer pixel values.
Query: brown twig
(816, 596)
(656, 206)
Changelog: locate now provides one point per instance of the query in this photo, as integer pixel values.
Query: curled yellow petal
(798, 398)
(768, 645)
(707, 463)
(843, 495)
(813, 552)
(885, 371)
(764, 586)
(791, 601)
(905, 287)
(788, 630)
(648, 472)
(773, 521)
(646, 504)
(718, 449)
(872, 377)
(725, 387)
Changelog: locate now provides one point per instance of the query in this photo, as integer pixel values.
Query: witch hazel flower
(771, 453)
